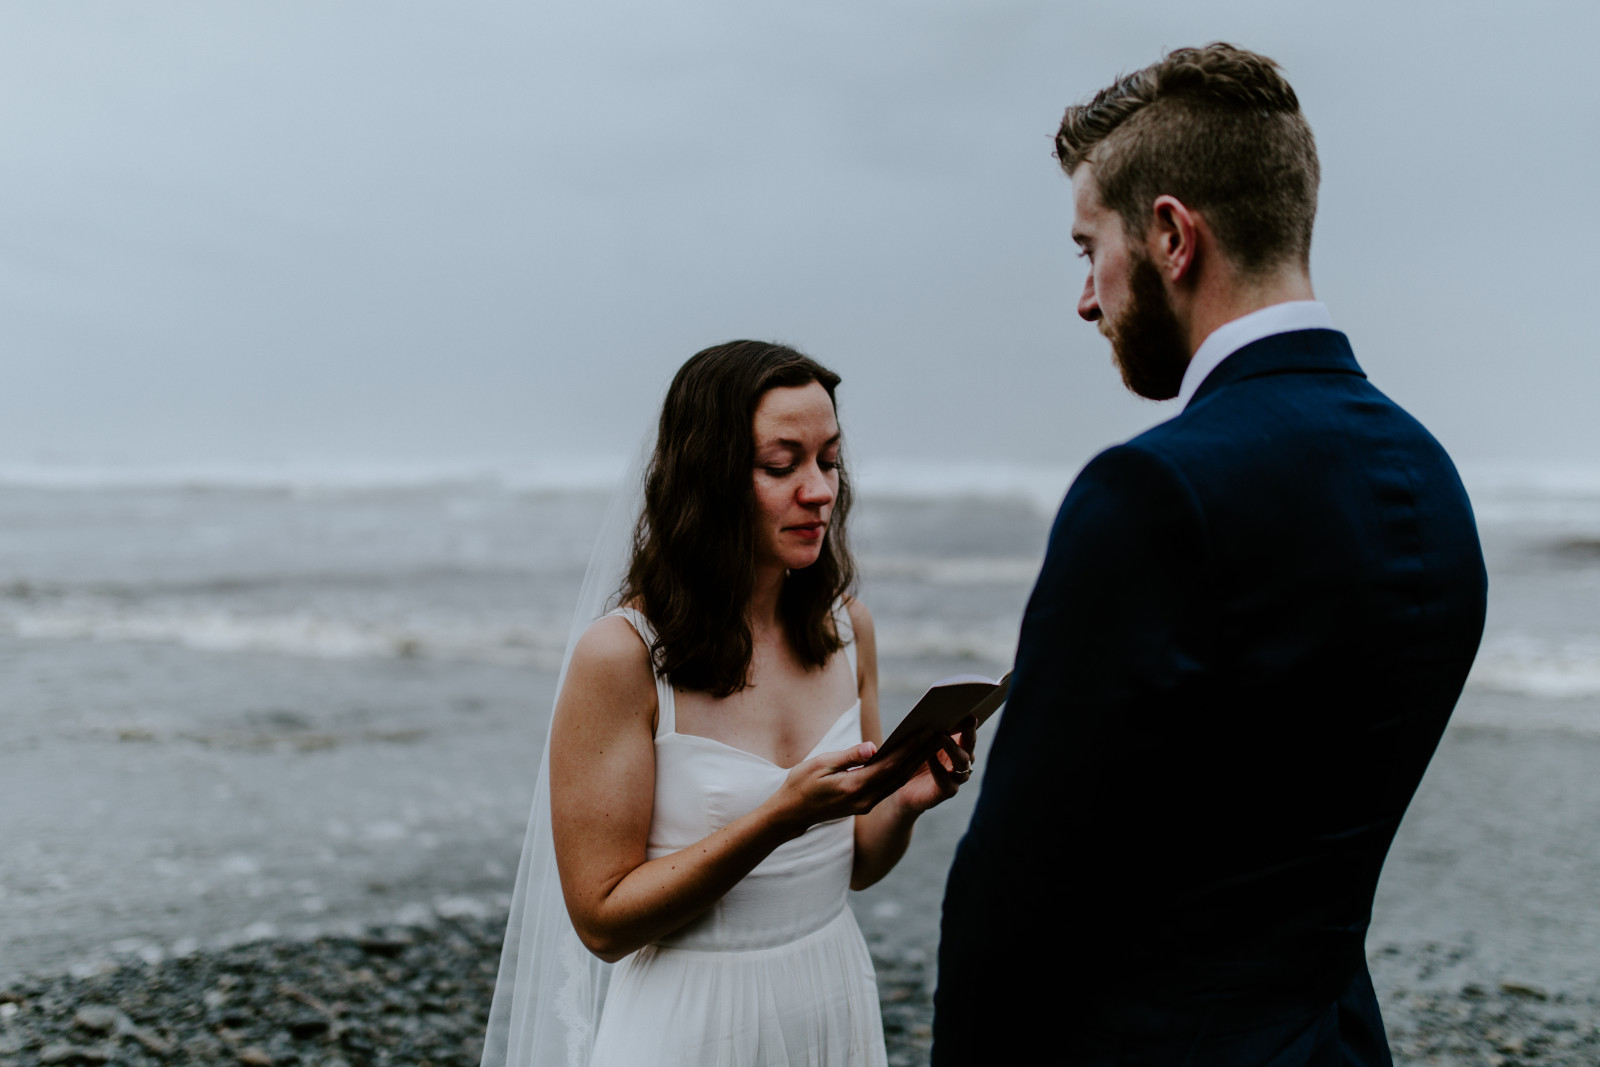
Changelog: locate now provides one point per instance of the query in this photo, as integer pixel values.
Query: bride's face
(796, 474)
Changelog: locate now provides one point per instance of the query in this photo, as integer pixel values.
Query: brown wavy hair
(692, 571)
(1219, 128)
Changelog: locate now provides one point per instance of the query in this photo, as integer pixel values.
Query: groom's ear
(1173, 238)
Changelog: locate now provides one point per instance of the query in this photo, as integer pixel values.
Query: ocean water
(246, 702)
(469, 568)
(482, 565)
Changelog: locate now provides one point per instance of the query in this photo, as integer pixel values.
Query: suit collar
(1298, 352)
(1225, 340)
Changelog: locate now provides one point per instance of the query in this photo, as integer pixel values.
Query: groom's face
(1125, 295)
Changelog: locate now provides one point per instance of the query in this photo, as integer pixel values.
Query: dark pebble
(390, 946)
(308, 1026)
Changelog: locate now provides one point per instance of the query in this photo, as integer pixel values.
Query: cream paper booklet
(946, 703)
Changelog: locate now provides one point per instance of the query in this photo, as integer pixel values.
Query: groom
(1249, 631)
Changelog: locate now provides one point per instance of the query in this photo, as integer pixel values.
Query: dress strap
(666, 709)
(847, 633)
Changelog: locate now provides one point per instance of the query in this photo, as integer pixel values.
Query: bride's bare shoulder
(609, 696)
(610, 667)
(611, 643)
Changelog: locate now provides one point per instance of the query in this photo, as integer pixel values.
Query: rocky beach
(411, 996)
(419, 996)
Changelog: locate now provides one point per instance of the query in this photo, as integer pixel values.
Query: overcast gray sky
(370, 231)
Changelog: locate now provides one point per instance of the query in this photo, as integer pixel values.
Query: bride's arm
(602, 789)
(883, 834)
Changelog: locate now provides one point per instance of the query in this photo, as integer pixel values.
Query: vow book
(946, 703)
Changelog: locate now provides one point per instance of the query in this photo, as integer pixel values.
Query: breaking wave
(318, 636)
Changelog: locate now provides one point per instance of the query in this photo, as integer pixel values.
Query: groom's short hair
(1217, 127)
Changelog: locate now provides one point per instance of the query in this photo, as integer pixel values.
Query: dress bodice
(702, 784)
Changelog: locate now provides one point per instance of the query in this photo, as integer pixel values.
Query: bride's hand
(944, 771)
(836, 784)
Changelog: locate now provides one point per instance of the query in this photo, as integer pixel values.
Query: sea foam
(317, 636)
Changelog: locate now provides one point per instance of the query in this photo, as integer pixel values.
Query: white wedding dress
(776, 973)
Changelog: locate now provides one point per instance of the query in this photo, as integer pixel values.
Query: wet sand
(1497, 865)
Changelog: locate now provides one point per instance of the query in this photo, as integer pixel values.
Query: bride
(707, 797)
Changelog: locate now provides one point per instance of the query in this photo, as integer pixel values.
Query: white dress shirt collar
(1228, 338)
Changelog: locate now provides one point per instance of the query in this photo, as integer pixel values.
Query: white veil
(550, 990)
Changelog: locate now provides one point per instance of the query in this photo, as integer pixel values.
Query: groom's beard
(1147, 343)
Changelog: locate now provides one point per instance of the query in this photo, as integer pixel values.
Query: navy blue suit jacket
(1249, 631)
